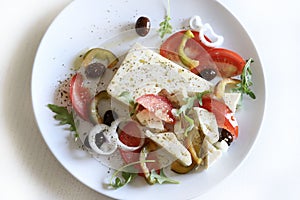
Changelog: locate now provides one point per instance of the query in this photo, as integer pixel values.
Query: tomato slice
(193, 48)
(80, 97)
(130, 134)
(225, 62)
(228, 62)
(130, 156)
(224, 116)
(159, 105)
(134, 156)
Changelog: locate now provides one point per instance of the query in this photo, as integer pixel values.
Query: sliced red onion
(109, 143)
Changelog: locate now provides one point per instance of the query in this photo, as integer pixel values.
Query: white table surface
(28, 170)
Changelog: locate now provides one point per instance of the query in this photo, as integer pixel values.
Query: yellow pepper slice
(183, 57)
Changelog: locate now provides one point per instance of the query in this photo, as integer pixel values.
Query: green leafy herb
(191, 124)
(186, 107)
(129, 99)
(165, 26)
(118, 182)
(200, 96)
(64, 117)
(161, 178)
(246, 82)
(191, 100)
(127, 177)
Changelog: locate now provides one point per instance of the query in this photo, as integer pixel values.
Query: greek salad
(173, 108)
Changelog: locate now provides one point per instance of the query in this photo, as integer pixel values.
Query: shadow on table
(25, 137)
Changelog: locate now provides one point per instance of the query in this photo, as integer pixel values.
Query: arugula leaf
(200, 96)
(191, 124)
(161, 178)
(186, 107)
(128, 98)
(117, 182)
(64, 117)
(127, 178)
(165, 26)
(246, 82)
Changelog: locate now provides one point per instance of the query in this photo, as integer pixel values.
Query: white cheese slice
(144, 71)
(209, 153)
(149, 120)
(223, 146)
(207, 122)
(170, 143)
(232, 100)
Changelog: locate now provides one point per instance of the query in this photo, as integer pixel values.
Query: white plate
(90, 23)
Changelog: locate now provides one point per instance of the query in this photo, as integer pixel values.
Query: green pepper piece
(147, 174)
(183, 57)
(100, 54)
(94, 113)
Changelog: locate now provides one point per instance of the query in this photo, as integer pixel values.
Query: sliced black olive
(142, 26)
(99, 139)
(95, 70)
(226, 136)
(86, 142)
(109, 117)
(208, 74)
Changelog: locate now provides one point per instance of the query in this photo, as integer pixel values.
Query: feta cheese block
(232, 100)
(149, 120)
(209, 153)
(170, 143)
(207, 122)
(144, 71)
(222, 145)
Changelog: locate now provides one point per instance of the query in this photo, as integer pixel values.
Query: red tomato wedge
(225, 62)
(224, 116)
(80, 97)
(159, 105)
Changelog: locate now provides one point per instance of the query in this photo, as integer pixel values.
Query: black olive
(86, 142)
(142, 26)
(95, 70)
(109, 117)
(208, 74)
(226, 136)
(99, 139)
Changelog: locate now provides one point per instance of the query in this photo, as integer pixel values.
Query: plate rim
(111, 196)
